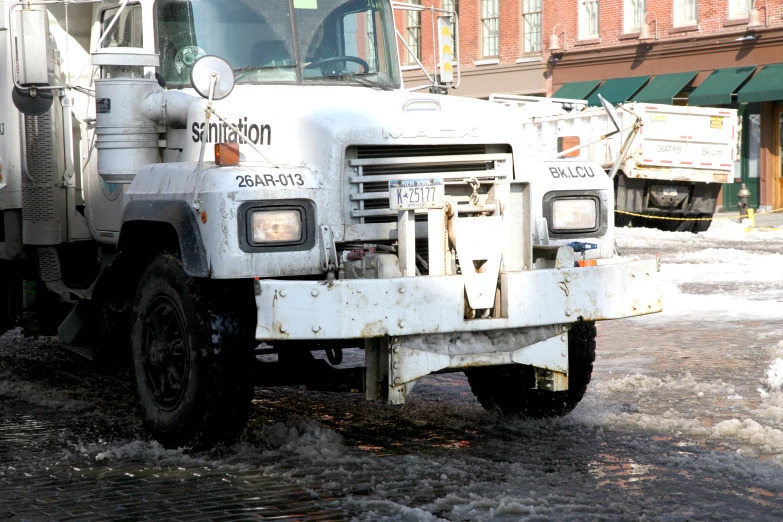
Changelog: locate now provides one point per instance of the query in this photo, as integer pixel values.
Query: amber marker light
(227, 154)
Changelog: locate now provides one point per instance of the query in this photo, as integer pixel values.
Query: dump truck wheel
(622, 220)
(192, 356)
(508, 388)
(683, 226)
(702, 226)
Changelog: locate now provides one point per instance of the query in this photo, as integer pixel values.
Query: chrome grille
(370, 168)
(402, 151)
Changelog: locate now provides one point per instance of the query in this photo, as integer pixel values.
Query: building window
(531, 26)
(413, 28)
(490, 28)
(634, 15)
(739, 8)
(588, 19)
(453, 6)
(685, 12)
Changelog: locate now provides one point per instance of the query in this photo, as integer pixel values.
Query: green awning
(617, 90)
(664, 87)
(766, 85)
(718, 87)
(576, 90)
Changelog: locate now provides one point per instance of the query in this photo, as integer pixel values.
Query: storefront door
(749, 168)
(777, 159)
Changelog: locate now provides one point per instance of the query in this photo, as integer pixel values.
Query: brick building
(500, 45)
(725, 53)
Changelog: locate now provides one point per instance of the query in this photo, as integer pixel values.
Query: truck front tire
(10, 294)
(508, 388)
(192, 356)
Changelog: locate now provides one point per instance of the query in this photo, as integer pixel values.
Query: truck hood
(303, 125)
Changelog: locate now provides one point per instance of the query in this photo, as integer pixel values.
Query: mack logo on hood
(221, 133)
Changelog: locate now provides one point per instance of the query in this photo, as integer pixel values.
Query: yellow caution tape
(750, 215)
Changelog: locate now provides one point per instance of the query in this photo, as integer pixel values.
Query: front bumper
(368, 308)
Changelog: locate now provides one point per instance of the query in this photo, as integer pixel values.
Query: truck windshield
(274, 41)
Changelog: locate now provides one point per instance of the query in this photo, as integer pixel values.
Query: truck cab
(186, 179)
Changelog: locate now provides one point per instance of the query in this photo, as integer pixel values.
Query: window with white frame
(453, 6)
(531, 26)
(739, 8)
(588, 19)
(685, 12)
(413, 29)
(634, 15)
(490, 28)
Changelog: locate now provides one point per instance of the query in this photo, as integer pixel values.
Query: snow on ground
(673, 427)
(724, 274)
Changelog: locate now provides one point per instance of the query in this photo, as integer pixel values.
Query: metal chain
(667, 218)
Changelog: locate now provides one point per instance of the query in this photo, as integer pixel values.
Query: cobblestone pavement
(58, 418)
(677, 425)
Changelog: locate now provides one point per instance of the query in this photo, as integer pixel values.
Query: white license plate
(410, 194)
(669, 191)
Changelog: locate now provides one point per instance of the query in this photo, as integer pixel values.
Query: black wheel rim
(165, 357)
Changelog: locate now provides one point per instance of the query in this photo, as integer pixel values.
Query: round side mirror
(201, 77)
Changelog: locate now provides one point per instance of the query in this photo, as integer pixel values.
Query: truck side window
(255, 37)
(127, 31)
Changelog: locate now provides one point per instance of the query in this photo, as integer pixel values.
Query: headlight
(276, 226)
(571, 214)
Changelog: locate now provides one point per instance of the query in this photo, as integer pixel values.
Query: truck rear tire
(702, 226)
(192, 357)
(509, 389)
(622, 220)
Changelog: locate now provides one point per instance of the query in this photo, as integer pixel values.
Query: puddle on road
(621, 472)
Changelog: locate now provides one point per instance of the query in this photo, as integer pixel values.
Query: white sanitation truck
(183, 180)
(675, 166)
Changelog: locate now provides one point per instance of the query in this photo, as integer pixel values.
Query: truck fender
(140, 217)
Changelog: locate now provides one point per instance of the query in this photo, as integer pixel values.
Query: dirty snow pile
(697, 410)
(301, 438)
(773, 381)
(723, 274)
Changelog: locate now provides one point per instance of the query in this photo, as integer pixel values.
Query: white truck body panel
(676, 142)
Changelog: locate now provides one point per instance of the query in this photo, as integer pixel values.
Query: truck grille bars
(370, 168)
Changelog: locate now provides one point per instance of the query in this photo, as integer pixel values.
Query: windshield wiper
(361, 80)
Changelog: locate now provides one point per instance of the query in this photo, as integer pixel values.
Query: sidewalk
(763, 220)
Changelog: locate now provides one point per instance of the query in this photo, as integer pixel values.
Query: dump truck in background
(674, 168)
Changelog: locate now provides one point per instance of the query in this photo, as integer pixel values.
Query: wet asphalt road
(674, 427)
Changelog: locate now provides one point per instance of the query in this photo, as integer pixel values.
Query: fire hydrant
(744, 197)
